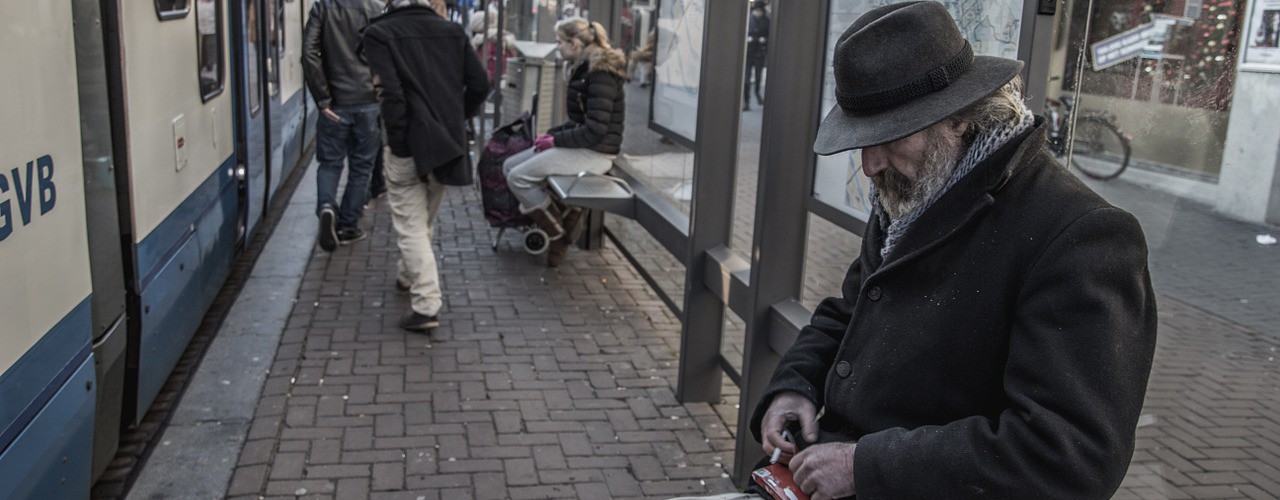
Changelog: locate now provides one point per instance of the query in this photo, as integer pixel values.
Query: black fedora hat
(899, 69)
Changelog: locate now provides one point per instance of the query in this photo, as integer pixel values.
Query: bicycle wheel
(1099, 150)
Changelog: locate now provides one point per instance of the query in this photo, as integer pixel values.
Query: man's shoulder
(415, 21)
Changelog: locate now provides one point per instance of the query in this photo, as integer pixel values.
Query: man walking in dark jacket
(347, 130)
(429, 82)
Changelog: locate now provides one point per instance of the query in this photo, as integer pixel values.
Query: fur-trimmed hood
(611, 60)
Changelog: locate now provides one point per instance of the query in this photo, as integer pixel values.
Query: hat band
(933, 81)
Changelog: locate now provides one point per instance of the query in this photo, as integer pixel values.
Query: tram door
(252, 156)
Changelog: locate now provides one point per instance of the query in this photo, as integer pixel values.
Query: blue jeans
(355, 140)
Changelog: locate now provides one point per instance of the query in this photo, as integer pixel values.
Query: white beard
(900, 196)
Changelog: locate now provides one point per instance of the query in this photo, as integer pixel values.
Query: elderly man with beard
(995, 336)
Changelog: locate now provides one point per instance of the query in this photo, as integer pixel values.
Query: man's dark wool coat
(1002, 348)
(429, 81)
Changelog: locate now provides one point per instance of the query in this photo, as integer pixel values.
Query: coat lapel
(964, 201)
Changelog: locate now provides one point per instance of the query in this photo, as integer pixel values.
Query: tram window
(253, 79)
(172, 9)
(275, 44)
(209, 40)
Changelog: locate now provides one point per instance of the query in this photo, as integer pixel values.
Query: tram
(141, 144)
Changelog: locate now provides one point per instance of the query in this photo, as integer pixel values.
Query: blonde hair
(591, 34)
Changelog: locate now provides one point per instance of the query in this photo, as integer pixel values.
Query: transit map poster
(992, 27)
(678, 66)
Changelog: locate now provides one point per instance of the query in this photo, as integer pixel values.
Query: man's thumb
(809, 426)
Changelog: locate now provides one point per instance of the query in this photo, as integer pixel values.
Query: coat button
(843, 369)
(874, 293)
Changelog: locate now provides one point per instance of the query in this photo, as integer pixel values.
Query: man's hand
(825, 470)
(328, 113)
(543, 143)
(786, 407)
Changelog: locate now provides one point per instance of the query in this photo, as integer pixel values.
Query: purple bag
(501, 208)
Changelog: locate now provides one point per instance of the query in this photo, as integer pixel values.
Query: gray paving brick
(247, 480)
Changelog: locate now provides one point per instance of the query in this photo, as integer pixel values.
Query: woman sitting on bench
(589, 141)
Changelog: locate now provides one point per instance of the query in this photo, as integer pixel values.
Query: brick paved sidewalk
(549, 383)
(540, 383)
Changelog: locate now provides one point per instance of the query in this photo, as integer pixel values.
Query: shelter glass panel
(654, 150)
(750, 127)
(830, 251)
(664, 270)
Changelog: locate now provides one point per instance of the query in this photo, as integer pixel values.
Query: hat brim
(843, 130)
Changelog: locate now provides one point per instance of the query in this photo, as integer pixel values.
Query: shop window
(1190, 61)
(1150, 63)
(172, 9)
(209, 47)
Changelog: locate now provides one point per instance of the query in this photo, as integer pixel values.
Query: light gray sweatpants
(527, 171)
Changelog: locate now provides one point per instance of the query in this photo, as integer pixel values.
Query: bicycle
(1099, 149)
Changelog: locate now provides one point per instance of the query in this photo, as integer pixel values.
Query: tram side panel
(182, 184)
(46, 365)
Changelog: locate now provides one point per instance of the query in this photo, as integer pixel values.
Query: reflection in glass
(828, 254)
(172, 9)
(1150, 64)
(275, 44)
(253, 82)
(209, 38)
(678, 66)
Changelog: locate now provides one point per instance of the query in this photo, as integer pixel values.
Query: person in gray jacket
(348, 129)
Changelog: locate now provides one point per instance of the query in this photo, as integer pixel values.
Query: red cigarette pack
(777, 480)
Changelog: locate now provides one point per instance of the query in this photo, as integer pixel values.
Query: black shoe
(415, 322)
(351, 235)
(328, 235)
(746, 106)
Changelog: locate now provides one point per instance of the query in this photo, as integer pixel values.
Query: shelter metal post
(711, 210)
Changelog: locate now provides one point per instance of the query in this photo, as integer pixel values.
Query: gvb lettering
(22, 186)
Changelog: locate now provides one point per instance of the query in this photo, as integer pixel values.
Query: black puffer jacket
(336, 74)
(597, 105)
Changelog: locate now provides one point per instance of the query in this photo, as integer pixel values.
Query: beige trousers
(414, 205)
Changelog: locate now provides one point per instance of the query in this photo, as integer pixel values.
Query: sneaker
(415, 322)
(351, 235)
(328, 235)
